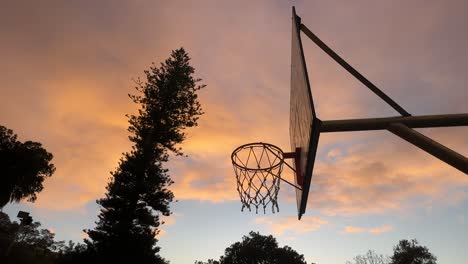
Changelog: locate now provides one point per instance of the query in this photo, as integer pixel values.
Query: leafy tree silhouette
(26, 243)
(410, 252)
(24, 166)
(210, 261)
(138, 189)
(256, 248)
(73, 253)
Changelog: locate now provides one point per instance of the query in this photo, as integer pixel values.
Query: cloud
(80, 118)
(202, 179)
(74, 98)
(83, 235)
(382, 229)
(291, 225)
(376, 230)
(171, 220)
(384, 174)
(352, 229)
(168, 221)
(161, 233)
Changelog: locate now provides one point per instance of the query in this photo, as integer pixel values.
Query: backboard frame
(304, 124)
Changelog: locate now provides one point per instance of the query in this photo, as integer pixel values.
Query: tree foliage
(406, 252)
(26, 244)
(138, 190)
(210, 261)
(73, 253)
(258, 249)
(24, 166)
(370, 258)
(409, 251)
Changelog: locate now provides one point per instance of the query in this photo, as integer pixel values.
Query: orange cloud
(161, 233)
(378, 176)
(171, 220)
(291, 225)
(376, 230)
(209, 179)
(382, 229)
(74, 99)
(83, 235)
(168, 220)
(352, 229)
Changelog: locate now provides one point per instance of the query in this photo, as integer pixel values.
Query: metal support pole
(383, 123)
(288, 155)
(353, 71)
(432, 147)
(297, 159)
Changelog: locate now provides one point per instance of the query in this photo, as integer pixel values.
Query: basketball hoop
(258, 168)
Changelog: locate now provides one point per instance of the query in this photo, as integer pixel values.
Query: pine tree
(138, 189)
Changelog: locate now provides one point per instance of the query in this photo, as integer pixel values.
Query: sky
(68, 67)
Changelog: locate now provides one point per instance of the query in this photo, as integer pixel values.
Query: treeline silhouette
(405, 252)
(28, 243)
(256, 248)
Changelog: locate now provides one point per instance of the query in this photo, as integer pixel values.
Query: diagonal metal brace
(353, 71)
(432, 147)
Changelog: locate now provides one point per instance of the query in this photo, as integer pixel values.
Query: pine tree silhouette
(138, 189)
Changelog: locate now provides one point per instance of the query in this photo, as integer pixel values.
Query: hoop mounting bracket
(297, 160)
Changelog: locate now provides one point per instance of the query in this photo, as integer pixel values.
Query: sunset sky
(67, 67)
